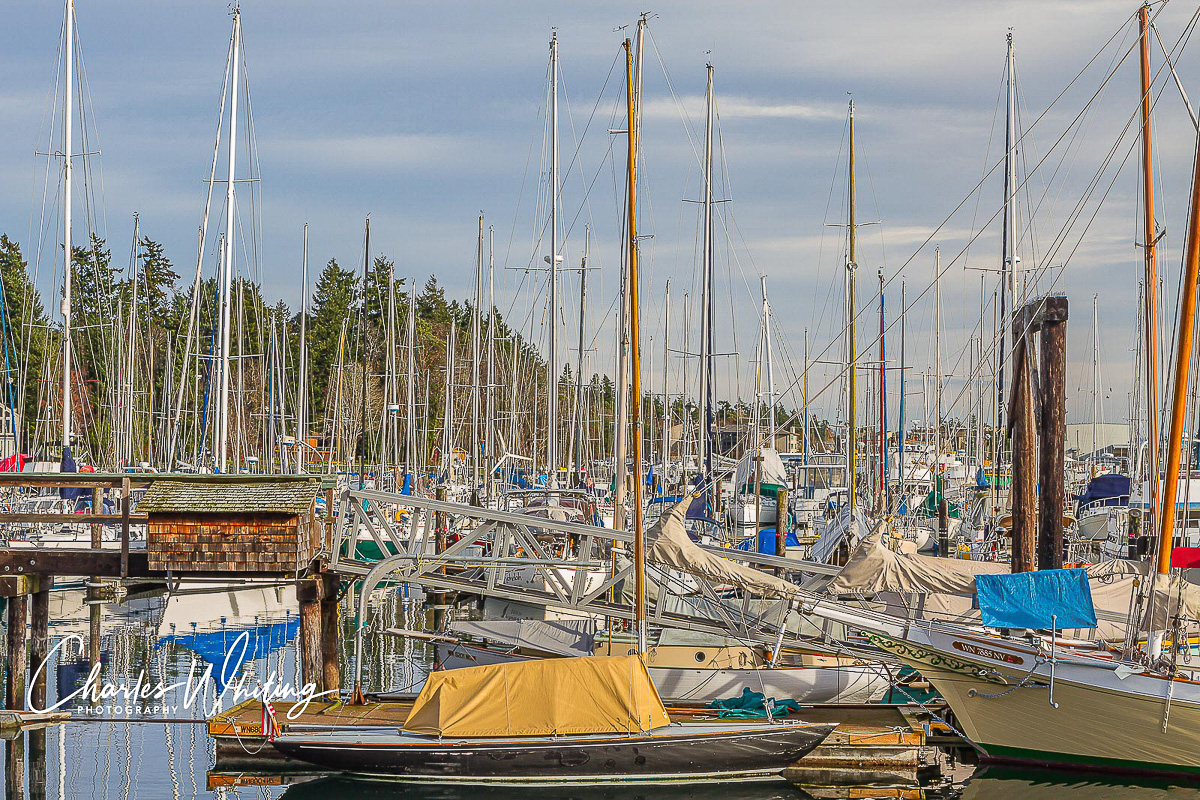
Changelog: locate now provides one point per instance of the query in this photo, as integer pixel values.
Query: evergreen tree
(26, 339)
(335, 301)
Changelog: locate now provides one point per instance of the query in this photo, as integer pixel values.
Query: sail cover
(668, 545)
(547, 697)
(561, 637)
(1049, 598)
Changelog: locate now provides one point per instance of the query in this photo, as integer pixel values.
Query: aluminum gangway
(555, 564)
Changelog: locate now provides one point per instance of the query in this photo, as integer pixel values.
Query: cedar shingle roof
(284, 496)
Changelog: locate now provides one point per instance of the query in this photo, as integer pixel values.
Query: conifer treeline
(265, 342)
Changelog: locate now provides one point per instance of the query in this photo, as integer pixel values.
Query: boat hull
(999, 692)
(678, 753)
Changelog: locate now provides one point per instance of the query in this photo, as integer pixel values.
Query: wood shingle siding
(252, 527)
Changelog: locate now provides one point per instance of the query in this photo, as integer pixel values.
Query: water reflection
(347, 788)
(1003, 783)
(138, 752)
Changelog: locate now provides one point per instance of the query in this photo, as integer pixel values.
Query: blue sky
(424, 114)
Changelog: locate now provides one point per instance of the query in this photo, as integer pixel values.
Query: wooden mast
(1151, 282)
(635, 407)
(1183, 363)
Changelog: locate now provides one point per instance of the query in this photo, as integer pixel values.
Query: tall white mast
(937, 358)
(69, 47)
(490, 424)
(227, 260)
(302, 400)
(126, 454)
(410, 432)
(706, 304)
(1095, 382)
(475, 354)
(578, 424)
(766, 360)
(552, 367)
(666, 415)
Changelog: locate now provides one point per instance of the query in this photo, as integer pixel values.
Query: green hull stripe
(1041, 756)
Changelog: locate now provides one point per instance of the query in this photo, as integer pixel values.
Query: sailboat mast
(883, 459)
(302, 400)
(410, 424)
(1183, 364)
(851, 344)
(706, 304)
(1150, 245)
(1008, 260)
(552, 367)
(583, 268)
(666, 414)
(639, 549)
(227, 261)
(902, 423)
(475, 355)
(68, 114)
(490, 421)
(937, 359)
(1095, 383)
(362, 355)
(804, 399)
(621, 409)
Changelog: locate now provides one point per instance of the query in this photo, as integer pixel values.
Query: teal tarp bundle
(752, 705)
(1031, 599)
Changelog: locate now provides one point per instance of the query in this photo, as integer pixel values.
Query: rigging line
(987, 156)
(1179, 84)
(1078, 243)
(579, 142)
(833, 180)
(945, 221)
(1074, 216)
(521, 188)
(688, 126)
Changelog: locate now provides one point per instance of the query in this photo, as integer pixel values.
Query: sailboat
(575, 720)
(1035, 699)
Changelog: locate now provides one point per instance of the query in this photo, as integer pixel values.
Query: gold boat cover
(584, 695)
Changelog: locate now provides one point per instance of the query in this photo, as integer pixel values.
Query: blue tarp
(1108, 490)
(981, 479)
(1030, 599)
(215, 646)
(766, 541)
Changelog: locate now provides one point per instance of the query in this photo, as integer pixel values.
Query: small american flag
(270, 726)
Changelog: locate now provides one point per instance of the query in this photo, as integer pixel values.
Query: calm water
(156, 748)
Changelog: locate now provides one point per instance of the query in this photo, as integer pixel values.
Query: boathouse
(227, 523)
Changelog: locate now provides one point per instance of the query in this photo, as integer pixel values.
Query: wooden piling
(39, 641)
(1024, 478)
(18, 653)
(1053, 434)
(37, 764)
(308, 594)
(330, 633)
(14, 768)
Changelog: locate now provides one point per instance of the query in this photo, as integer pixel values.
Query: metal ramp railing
(556, 564)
